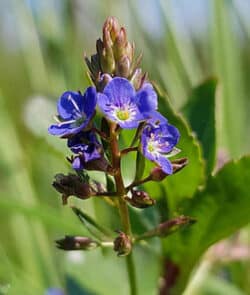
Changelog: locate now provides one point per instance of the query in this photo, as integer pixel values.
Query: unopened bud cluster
(115, 57)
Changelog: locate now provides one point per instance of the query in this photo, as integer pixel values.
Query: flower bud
(157, 174)
(122, 244)
(123, 67)
(170, 226)
(115, 55)
(103, 81)
(179, 164)
(76, 243)
(72, 185)
(111, 26)
(121, 44)
(140, 199)
(107, 61)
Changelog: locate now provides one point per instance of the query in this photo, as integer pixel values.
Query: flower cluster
(124, 98)
(120, 104)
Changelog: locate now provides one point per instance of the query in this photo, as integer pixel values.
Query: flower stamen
(123, 115)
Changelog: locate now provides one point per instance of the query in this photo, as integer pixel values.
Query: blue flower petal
(144, 146)
(165, 164)
(119, 91)
(104, 103)
(91, 153)
(59, 130)
(147, 99)
(77, 163)
(155, 118)
(89, 101)
(66, 129)
(69, 104)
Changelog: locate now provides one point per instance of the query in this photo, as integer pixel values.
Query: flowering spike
(126, 100)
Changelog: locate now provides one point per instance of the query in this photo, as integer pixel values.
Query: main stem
(122, 205)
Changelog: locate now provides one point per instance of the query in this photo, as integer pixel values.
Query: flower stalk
(122, 205)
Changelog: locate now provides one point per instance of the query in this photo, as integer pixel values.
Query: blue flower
(74, 112)
(86, 145)
(124, 106)
(158, 142)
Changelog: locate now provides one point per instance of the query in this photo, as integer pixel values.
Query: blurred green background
(41, 55)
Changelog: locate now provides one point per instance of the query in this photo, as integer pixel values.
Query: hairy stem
(122, 205)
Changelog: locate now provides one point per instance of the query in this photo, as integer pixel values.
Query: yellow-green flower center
(122, 115)
(151, 147)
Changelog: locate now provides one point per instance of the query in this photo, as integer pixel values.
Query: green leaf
(200, 112)
(91, 224)
(177, 187)
(221, 209)
(229, 66)
(140, 166)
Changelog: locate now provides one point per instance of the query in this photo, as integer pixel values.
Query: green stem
(122, 205)
(138, 182)
(131, 273)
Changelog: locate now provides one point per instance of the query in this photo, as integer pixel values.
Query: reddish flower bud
(157, 174)
(112, 26)
(179, 164)
(122, 244)
(115, 55)
(140, 199)
(170, 226)
(76, 243)
(123, 67)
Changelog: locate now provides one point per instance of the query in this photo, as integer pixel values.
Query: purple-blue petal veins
(74, 112)
(86, 144)
(120, 102)
(157, 141)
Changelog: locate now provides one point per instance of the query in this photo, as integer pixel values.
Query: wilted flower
(72, 185)
(123, 105)
(79, 163)
(140, 199)
(86, 144)
(157, 143)
(74, 112)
